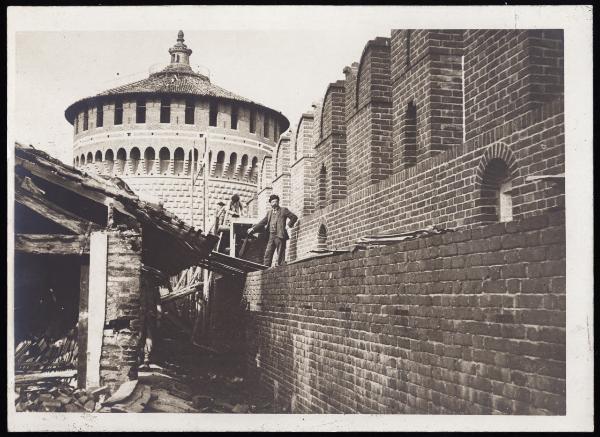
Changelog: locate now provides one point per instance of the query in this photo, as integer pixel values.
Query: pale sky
(282, 57)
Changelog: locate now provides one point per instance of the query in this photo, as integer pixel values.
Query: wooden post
(96, 305)
(82, 326)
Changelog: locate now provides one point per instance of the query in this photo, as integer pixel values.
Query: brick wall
(427, 72)
(470, 322)
(368, 114)
(330, 147)
(125, 304)
(508, 72)
(446, 190)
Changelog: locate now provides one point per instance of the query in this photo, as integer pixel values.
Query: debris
(89, 406)
(378, 240)
(136, 402)
(201, 401)
(73, 408)
(97, 392)
(164, 402)
(123, 392)
(240, 408)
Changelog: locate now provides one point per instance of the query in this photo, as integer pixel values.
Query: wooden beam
(96, 306)
(56, 214)
(52, 244)
(76, 187)
(82, 327)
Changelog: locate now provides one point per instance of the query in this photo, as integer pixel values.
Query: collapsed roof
(80, 202)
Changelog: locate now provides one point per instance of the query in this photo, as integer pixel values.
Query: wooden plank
(38, 376)
(179, 294)
(96, 305)
(51, 244)
(58, 215)
(82, 326)
(76, 187)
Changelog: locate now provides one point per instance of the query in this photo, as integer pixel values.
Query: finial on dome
(180, 53)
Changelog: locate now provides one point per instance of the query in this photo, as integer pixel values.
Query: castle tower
(160, 133)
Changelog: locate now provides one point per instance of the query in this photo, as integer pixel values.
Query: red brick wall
(125, 303)
(470, 322)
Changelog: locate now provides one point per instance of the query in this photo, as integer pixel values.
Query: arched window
(178, 158)
(121, 160)
(322, 238)
(76, 162)
(243, 167)
(219, 164)
(164, 157)
(323, 187)
(496, 199)
(193, 163)
(82, 160)
(231, 166)
(253, 170)
(149, 157)
(109, 159)
(98, 156)
(90, 158)
(134, 158)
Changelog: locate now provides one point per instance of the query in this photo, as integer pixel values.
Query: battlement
(432, 127)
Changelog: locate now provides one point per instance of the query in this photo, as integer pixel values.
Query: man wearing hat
(274, 224)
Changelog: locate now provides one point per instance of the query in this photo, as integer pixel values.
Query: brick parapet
(469, 322)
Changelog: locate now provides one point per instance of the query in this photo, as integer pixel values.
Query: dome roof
(173, 80)
(177, 78)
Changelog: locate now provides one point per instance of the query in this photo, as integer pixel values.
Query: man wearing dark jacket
(274, 224)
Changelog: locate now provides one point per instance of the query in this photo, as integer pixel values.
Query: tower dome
(162, 132)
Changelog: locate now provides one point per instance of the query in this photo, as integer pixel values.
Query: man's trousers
(275, 243)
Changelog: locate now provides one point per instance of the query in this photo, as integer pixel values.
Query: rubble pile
(57, 396)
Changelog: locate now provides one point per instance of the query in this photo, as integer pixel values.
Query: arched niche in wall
(164, 159)
(494, 176)
(322, 237)
(178, 159)
(219, 164)
(231, 167)
(120, 162)
(109, 159)
(243, 168)
(253, 170)
(149, 157)
(134, 159)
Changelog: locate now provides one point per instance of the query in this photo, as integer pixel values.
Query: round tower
(161, 133)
